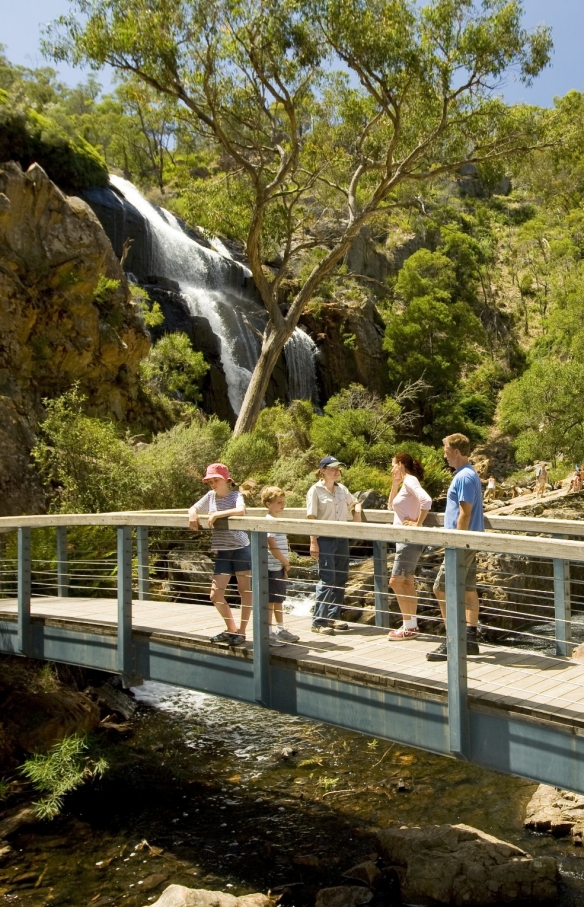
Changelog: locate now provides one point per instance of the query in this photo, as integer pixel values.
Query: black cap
(330, 461)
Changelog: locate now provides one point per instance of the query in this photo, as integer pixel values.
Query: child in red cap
(232, 550)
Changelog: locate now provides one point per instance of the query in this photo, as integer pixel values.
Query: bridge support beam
(143, 562)
(124, 655)
(261, 598)
(458, 719)
(62, 563)
(562, 607)
(380, 584)
(24, 591)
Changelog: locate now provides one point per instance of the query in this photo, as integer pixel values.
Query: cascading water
(300, 352)
(216, 288)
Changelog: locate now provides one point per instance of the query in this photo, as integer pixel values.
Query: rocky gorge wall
(54, 330)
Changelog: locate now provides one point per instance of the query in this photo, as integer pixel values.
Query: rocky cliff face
(54, 329)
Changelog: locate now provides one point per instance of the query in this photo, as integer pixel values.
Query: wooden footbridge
(512, 710)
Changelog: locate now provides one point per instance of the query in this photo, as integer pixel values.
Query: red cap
(217, 471)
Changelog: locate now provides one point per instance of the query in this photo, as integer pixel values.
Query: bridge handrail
(369, 530)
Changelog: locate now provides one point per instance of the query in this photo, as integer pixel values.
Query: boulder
(343, 896)
(460, 865)
(557, 812)
(180, 896)
(37, 721)
(189, 575)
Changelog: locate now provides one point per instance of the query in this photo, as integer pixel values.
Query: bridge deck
(538, 687)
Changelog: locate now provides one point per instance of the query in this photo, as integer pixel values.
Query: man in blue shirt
(464, 511)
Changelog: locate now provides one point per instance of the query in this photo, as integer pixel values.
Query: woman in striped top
(232, 550)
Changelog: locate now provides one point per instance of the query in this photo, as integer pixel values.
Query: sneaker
(326, 631)
(222, 637)
(403, 633)
(286, 636)
(236, 639)
(275, 640)
(472, 646)
(340, 625)
(439, 654)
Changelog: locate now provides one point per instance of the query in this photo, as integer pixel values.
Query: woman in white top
(410, 504)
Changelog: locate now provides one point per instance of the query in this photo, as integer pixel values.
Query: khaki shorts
(470, 574)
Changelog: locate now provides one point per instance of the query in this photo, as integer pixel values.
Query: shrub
(361, 476)
(173, 368)
(172, 467)
(87, 467)
(251, 455)
(28, 137)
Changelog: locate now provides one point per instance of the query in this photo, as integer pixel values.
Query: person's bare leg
(404, 589)
(244, 586)
(217, 596)
(471, 601)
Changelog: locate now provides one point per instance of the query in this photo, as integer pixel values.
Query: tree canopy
(326, 111)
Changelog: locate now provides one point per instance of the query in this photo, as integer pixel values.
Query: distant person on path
(410, 505)
(491, 490)
(329, 500)
(232, 550)
(278, 565)
(541, 479)
(464, 511)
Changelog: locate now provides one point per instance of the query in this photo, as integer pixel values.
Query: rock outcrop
(349, 336)
(457, 864)
(55, 328)
(180, 896)
(557, 812)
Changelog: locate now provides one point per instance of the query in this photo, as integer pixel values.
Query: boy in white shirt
(278, 565)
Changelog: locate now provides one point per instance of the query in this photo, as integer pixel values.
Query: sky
(20, 33)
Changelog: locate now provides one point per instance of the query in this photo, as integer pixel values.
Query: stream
(211, 793)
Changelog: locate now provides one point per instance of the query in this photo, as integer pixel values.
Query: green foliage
(173, 368)
(150, 312)
(543, 410)
(360, 477)
(251, 455)
(82, 460)
(357, 425)
(28, 137)
(62, 770)
(170, 469)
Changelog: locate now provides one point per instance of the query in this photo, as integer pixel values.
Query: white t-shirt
(281, 540)
(410, 499)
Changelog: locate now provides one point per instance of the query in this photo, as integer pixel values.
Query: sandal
(222, 637)
(236, 639)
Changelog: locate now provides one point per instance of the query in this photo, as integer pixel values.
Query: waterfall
(300, 353)
(214, 285)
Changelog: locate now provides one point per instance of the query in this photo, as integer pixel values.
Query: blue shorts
(236, 561)
(277, 585)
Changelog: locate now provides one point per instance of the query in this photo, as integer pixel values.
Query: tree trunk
(272, 346)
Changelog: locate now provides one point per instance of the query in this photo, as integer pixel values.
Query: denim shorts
(406, 559)
(236, 561)
(277, 585)
(470, 575)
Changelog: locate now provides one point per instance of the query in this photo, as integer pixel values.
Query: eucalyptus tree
(326, 111)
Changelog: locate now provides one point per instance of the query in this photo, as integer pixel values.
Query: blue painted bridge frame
(449, 723)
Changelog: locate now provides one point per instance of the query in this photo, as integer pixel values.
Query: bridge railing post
(24, 590)
(124, 654)
(380, 584)
(458, 724)
(62, 563)
(562, 607)
(143, 562)
(260, 599)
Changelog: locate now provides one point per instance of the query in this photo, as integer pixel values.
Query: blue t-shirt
(465, 486)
